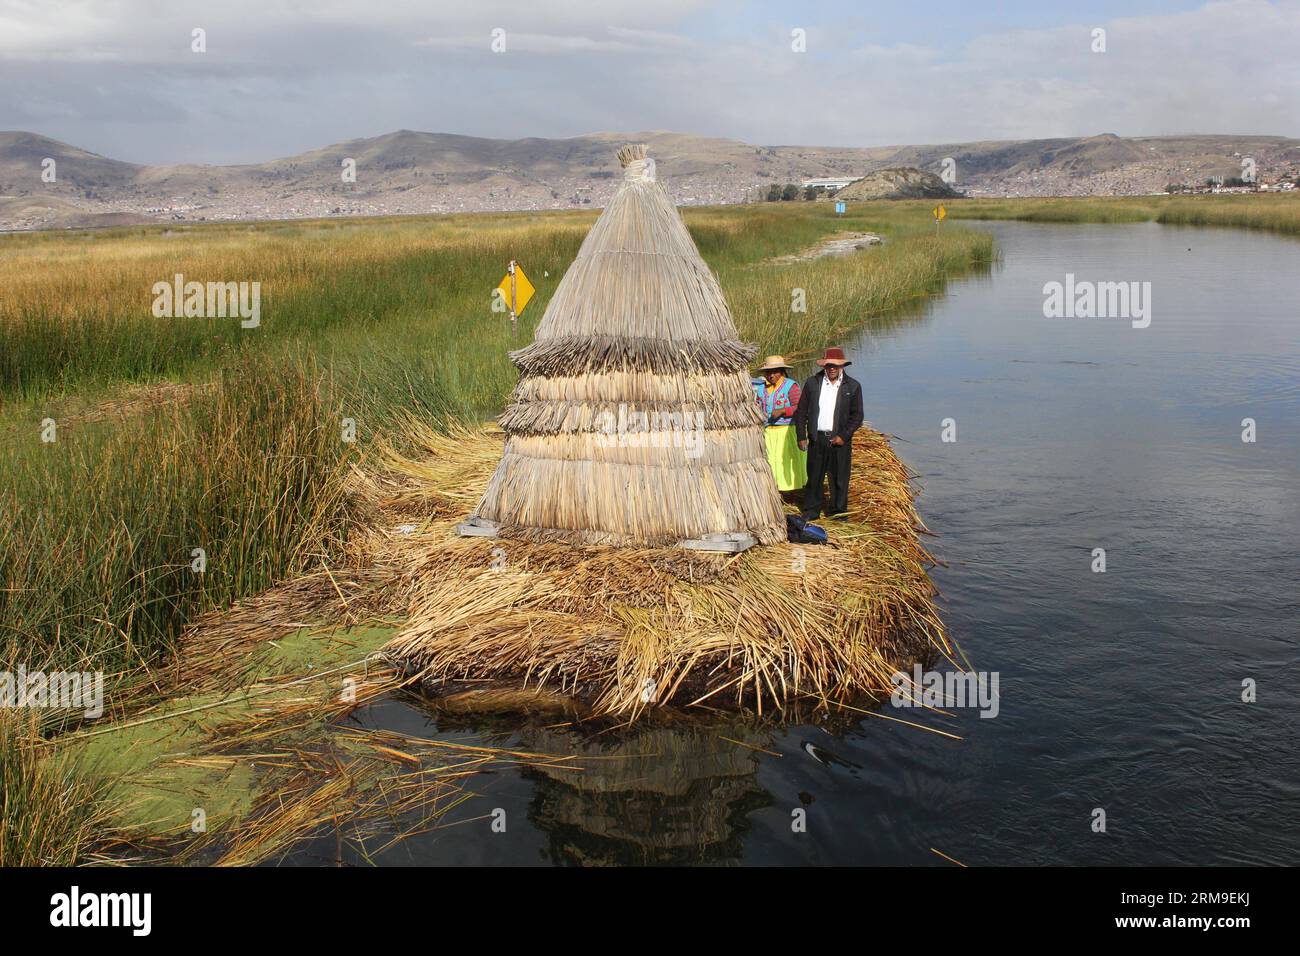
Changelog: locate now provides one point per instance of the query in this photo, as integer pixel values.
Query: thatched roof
(633, 422)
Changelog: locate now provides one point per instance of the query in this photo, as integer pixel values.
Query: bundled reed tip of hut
(633, 422)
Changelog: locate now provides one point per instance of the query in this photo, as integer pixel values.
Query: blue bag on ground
(799, 531)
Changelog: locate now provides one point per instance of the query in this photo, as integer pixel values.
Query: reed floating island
(629, 547)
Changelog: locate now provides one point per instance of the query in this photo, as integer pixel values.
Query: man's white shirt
(830, 391)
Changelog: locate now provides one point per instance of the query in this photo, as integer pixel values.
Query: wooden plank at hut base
(730, 541)
(475, 526)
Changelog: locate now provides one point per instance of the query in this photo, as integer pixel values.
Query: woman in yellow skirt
(778, 396)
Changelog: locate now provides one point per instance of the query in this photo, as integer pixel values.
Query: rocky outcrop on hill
(899, 182)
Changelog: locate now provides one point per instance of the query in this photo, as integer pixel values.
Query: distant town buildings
(307, 193)
(829, 183)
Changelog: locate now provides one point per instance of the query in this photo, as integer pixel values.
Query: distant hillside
(412, 172)
(67, 215)
(898, 182)
(21, 156)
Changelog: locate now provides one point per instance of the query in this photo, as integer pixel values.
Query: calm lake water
(1119, 690)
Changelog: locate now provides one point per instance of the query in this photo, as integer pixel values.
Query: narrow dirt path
(840, 244)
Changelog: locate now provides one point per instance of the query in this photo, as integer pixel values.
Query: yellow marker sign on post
(516, 289)
(939, 213)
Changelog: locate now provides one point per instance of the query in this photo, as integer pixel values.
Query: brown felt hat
(833, 357)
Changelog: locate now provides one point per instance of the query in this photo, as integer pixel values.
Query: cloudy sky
(278, 77)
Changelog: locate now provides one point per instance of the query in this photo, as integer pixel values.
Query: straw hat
(774, 362)
(833, 356)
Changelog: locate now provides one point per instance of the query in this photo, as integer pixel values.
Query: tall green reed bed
(100, 533)
(118, 533)
(1277, 212)
(1065, 209)
(370, 321)
(51, 808)
(79, 314)
(841, 294)
(1273, 213)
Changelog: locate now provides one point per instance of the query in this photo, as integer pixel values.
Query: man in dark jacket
(829, 412)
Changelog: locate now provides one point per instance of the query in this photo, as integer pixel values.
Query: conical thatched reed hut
(633, 422)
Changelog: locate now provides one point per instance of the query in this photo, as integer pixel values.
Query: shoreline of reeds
(1279, 213)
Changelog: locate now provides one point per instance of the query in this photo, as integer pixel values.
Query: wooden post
(512, 292)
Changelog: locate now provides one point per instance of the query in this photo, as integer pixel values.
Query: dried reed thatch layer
(623, 629)
(633, 422)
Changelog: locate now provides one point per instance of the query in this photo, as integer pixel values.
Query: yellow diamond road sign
(516, 290)
(939, 213)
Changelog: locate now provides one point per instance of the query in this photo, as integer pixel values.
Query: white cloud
(281, 76)
(157, 31)
(899, 53)
(614, 40)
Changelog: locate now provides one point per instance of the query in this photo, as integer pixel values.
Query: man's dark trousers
(826, 461)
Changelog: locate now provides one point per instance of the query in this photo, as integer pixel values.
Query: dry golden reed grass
(113, 271)
(507, 624)
(623, 629)
(50, 813)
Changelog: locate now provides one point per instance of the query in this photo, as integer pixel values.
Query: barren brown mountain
(411, 172)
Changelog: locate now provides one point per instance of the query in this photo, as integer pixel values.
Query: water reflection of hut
(654, 795)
